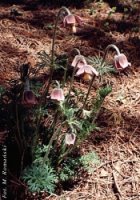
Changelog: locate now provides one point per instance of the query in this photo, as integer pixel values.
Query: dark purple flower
(29, 98)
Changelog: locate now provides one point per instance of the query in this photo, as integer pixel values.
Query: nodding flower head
(87, 69)
(57, 94)
(79, 61)
(72, 20)
(121, 62)
(28, 97)
(70, 138)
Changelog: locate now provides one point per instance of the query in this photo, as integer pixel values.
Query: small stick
(117, 186)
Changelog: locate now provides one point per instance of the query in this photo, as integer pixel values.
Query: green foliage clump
(102, 68)
(68, 169)
(89, 161)
(53, 116)
(40, 178)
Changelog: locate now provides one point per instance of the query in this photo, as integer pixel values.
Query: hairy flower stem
(36, 135)
(77, 51)
(97, 109)
(61, 158)
(71, 82)
(18, 139)
(53, 46)
(65, 72)
(107, 49)
(50, 143)
(89, 89)
(53, 124)
(99, 101)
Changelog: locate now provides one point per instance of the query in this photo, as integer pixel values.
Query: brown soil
(118, 141)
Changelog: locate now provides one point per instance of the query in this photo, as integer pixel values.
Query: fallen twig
(117, 186)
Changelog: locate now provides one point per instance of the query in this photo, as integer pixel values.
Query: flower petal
(29, 98)
(57, 94)
(88, 69)
(79, 58)
(80, 71)
(70, 138)
(75, 60)
(78, 19)
(121, 62)
(95, 71)
(69, 19)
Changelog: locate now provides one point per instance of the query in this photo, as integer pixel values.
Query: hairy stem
(27, 84)
(89, 89)
(77, 51)
(50, 143)
(19, 141)
(65, 154)
(71, 82)
(36, 134)
(107, 49)
(96, 111)
(53, 46)
(64, 79)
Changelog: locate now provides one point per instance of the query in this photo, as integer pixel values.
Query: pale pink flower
(71, 19)
(70, 138)
(79, 61)
(87, 69)
(57, 94)
(121, 62)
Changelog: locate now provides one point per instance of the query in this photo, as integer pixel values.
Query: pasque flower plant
(120, 60)
(57, 93)
(51, 121)
(68, 120)
(71, 20)
(84, 70)
(79, 61)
